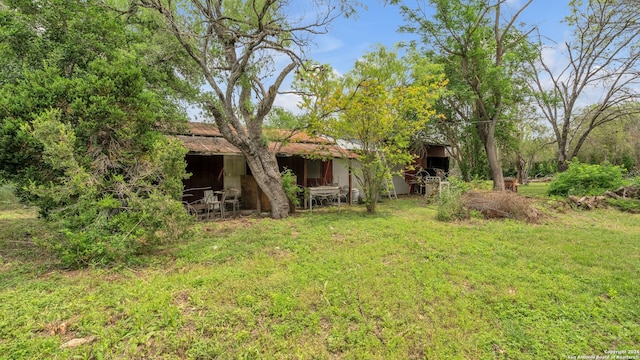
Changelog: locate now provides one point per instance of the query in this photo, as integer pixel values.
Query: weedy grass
(398, 284)
(534, 189)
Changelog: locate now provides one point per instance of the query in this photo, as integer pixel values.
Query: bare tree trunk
(521, 173)
(487, 131)
(563, 159)
(494, 162)
(264, 167)
(562, 164)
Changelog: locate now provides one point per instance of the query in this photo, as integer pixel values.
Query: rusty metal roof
(307, 149)
(278, 135)
(205, 139)
(202, 129)
(208, 145)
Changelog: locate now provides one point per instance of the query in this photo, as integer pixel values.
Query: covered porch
(216, 165)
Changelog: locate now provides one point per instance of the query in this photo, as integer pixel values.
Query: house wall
(341, 173)
(341, 176)
(436, 151)
(234, 167)
(401, 186)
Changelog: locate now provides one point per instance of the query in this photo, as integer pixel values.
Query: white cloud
(552, 56)
(288, 102)
(326, 43)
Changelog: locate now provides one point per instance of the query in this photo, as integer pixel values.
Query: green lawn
(331, 285)
(534, 189)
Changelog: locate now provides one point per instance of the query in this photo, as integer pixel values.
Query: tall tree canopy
(84, 100)
(244, 51)
(601, 62)
(484, 51)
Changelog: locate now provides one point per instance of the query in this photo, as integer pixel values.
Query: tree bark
(494, 163)
(563, 164)
(487, 130)
(521, 170)
(264, 167)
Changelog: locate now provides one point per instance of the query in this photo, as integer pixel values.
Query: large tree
(616, 142)
(597, 81)
(378, 106)
(484, 51)
(245, 50)
(83, 107)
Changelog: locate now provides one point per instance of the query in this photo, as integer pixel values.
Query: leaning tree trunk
(265, 170)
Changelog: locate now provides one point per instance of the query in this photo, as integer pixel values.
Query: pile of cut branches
(501, 204)
(588, 202)
(625, 192)
(621, 198)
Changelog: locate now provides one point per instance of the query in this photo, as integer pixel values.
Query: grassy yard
(534, 189)
(330, 285)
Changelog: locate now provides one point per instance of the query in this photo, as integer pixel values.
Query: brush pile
(631, 192)
(501, 205)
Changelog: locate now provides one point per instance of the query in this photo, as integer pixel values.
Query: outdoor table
(323, 191)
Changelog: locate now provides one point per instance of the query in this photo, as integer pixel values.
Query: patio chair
(214, 205)
(344, 194)
(232, 200)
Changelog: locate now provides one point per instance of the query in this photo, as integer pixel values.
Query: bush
(584, 179)
(451, 205)
(102, 232)
(107, 210)
(290, 186)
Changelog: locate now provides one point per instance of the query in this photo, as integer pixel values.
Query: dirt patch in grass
(502, 205)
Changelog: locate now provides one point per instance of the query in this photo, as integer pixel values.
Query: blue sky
(348, 39)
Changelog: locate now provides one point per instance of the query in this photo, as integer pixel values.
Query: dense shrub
(290, 185)
(585, 179)
(451, 205)
(86, 101)
(102, 220)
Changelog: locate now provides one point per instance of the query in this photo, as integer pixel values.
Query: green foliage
(626, 205)
(378, 106)
(627, 161)
(585, 179)
(483, 53)
(290, 185)
(82, 118)
(451, 206)
(615, 142)
(108, 216)
(544, 168)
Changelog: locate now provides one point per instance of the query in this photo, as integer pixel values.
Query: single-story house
(216, 164)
